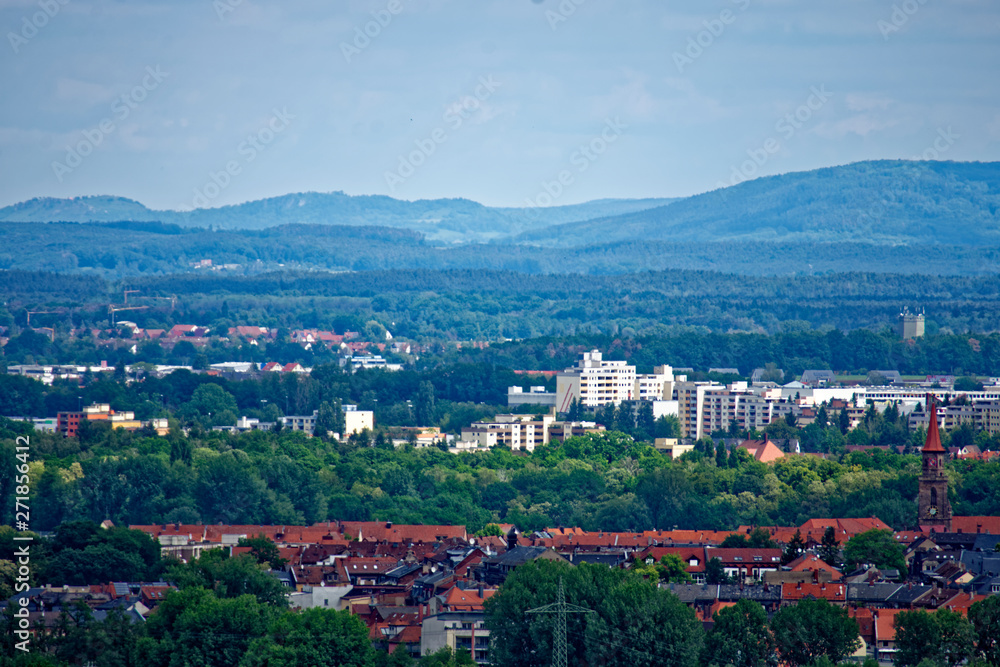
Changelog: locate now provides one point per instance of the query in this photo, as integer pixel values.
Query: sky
(193, 103)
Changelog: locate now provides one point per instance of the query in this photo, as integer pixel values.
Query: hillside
(883, 202)
(122, 249)
(440, 220)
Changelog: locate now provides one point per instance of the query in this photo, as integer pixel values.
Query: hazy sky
(202, 102)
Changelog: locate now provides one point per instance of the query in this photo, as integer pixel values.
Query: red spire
(933, 443)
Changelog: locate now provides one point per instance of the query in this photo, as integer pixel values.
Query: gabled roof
(885, 625)
(811, 563)
(829, 592)
(764, 451)
(871, 593)
(976, 524)
(745, 556)
(457, 599)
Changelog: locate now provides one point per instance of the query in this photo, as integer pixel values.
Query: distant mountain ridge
(441, 220)
(883, 202)
(886, 202)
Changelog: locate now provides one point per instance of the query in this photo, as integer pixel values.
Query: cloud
(863, 102)
(85, 93)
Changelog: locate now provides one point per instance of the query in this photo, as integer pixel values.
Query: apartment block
(594, 382)
(512, 431)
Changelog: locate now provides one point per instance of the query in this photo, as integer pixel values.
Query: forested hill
(883, 202)
(445, 220)
(126, 249)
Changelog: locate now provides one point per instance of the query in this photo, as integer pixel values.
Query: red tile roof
(976, 524)
(830, 592)
(811, 563)
(885, 624)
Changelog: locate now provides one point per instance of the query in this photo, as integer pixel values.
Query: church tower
(934, 508)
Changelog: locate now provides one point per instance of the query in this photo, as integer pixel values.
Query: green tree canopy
(875, 547)
(315, 637)
(635, 622)
(813, 628)
(741, 637)
(944, 637)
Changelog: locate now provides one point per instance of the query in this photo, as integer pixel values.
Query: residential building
(521, 432)
(68, 423)
(534, 396)
(594, 382)
(514, 432)
(456, 620)
(355, 421)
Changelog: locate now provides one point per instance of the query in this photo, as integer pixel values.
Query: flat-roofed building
(594, 382)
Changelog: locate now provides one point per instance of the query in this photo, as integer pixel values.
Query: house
(833, 593)
(746, 564)
(456, 620)
(394, 626)
(493, 571)
(764, 451)
(871, 594)
(806, 568)
(885, 634)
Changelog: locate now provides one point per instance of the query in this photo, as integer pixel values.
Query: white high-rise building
(594, 382)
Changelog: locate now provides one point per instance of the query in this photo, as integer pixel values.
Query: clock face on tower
(932, 511)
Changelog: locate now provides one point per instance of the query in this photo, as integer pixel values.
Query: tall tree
(423, 406)
(741, 637)
(875, 547)
(326, 421)
(795, 547)
(829, 548)
(320, 637)
(945, 637)
(635, 622)
(814, 628)
(985, 618)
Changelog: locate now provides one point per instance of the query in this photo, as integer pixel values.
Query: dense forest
(885, 201)
(130, 249)
(427, 305)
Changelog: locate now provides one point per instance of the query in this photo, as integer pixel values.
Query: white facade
(355, 421)
(534, 396)
(594, 382)
(323, 597)
(512, 431)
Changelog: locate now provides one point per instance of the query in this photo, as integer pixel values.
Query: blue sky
(201, 102)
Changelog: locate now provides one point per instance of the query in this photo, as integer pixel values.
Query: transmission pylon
(560, 609)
